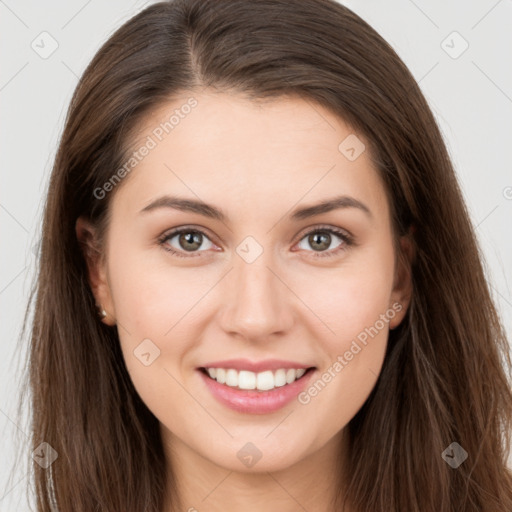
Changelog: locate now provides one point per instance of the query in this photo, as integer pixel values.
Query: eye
(321, 238)
(188, 240)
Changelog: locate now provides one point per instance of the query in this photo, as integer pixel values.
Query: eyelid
(326, 227)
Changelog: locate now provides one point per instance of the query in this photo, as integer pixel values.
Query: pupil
(192, 238)
(320, 238)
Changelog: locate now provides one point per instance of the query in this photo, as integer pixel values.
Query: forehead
(228, 149)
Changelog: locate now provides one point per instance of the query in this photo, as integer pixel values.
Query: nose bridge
(258, 304)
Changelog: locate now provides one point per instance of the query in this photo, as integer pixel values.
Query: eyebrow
(207, 210)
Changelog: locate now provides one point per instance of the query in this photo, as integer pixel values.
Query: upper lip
(255, 366)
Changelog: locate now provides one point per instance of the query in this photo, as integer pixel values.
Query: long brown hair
(444, 378)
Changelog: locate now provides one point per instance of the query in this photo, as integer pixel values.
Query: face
(257, 284)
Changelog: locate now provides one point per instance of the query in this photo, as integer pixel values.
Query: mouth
(246, 380)
(256, 392)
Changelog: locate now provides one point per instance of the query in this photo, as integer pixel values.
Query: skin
(257, 162)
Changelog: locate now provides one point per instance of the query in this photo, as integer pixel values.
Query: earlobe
(96, 269)
(403, 286)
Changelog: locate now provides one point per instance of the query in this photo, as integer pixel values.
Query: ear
(402, 286)
(86, 234)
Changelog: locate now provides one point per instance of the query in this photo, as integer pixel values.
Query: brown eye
(190, 241)
(321, 239)
(182, 241)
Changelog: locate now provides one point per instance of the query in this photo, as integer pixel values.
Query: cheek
(149, 302)
(152, 307)
(150, 296)
(159, 311)
(354, 302)
(352, 297)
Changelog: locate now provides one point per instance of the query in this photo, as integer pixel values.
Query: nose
(259, 305)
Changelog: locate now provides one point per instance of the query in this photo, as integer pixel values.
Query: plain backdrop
(458, 51)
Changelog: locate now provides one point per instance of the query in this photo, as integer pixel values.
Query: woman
(259, 287)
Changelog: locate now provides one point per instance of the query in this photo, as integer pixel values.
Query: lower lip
(256, 402)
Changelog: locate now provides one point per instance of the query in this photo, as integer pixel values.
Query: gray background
(470, 94)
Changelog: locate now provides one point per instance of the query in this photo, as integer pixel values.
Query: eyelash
(347, 239)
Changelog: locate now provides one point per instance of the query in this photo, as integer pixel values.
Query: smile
(262, 381)
(251, 391)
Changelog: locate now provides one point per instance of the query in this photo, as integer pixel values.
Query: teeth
(221, 375)
(246, 380)
(263, 381)
(280, 378)
(232, 378)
